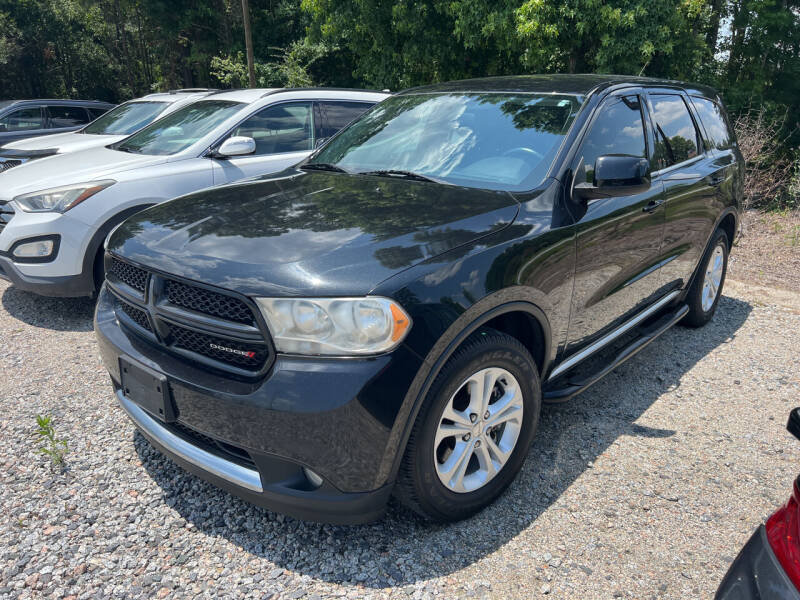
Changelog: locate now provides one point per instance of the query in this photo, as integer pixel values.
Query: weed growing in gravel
(53, 447)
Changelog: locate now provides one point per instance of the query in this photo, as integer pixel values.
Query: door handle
(652, 205)
(715, 180)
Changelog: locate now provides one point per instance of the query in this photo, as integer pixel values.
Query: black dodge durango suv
(388, 316)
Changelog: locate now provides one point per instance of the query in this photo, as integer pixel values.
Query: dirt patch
(768, 252)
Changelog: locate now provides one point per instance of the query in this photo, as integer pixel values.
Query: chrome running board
(610, 337)
(647, 335)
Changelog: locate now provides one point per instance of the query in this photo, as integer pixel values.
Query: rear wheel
(473, 431)
(706, 289)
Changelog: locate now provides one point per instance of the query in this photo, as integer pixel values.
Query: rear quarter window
(715, 122)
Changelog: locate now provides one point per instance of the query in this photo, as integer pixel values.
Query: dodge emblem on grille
(247, 353)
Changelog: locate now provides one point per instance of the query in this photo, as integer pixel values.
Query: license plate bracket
(147, 388)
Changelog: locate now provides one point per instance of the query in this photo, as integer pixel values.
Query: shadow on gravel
(402, 549)
(60, 314)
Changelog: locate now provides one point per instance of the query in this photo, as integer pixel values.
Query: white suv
(56, 211)
(113, 126)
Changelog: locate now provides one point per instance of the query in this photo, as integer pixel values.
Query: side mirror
(616, 175)
(237, 145)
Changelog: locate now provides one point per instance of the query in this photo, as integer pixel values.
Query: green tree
(411, 42)
(763, 63)
(649, 37)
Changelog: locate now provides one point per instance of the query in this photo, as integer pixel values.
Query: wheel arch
(504, 317)
(728, 221)
(99, 236)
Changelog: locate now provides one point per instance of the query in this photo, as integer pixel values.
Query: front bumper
(68, 273)
(69, 286)
(253, 438)
(756, 574)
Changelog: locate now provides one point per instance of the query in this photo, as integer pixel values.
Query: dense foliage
(116, 49)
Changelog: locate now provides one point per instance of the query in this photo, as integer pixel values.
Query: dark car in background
(111, 127)
(768, 567)
(388, 316)
(21, 119)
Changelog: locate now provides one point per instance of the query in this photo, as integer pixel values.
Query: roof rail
(322, 89)
(225, 91)
(190, 90)
(55, 100)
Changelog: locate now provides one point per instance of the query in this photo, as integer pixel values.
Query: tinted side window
(67, 116)
(97, 112)
(335, 115)
(714, 121)
(677, 138)
(281, 128)
(617, 130)
(22, 120)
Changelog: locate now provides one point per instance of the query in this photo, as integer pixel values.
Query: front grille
(209, 302)
(6, 214)
(129, 275)
(137, 315)
(8, 164)
(223, 350)
(213, 328)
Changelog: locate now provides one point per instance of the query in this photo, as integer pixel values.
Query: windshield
(181, 129)
(126, 118)
(498, 141)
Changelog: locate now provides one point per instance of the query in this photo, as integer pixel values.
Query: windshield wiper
(402, 174)
(126, 149)
(324, 167)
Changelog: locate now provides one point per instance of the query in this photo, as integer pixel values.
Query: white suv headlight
(61, 199)
(335, 326)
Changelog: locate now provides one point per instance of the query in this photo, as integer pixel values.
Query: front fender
(459, 330)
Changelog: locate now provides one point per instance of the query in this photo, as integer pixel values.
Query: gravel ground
(645, 486)
(768, 252)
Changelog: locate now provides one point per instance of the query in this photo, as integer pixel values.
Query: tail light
(783, 533)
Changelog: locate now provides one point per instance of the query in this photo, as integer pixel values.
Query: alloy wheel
(713, 277)
(478, 430)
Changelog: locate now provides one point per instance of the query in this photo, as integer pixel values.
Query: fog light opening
(314, 479)
(37, 249)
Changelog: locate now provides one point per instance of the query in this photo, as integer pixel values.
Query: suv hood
(309, 233)
(75, 167)
(59, 143)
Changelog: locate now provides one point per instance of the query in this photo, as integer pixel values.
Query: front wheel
(473, 431)
(706, 289)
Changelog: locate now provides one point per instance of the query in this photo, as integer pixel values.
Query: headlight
(335, 326)
(61, 199)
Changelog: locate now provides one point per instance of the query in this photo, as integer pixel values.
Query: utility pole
(248, 40)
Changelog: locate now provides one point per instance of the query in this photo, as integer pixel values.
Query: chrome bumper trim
(225, 469)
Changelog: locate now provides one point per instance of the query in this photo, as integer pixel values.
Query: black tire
(697, 315)
(418, 485)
